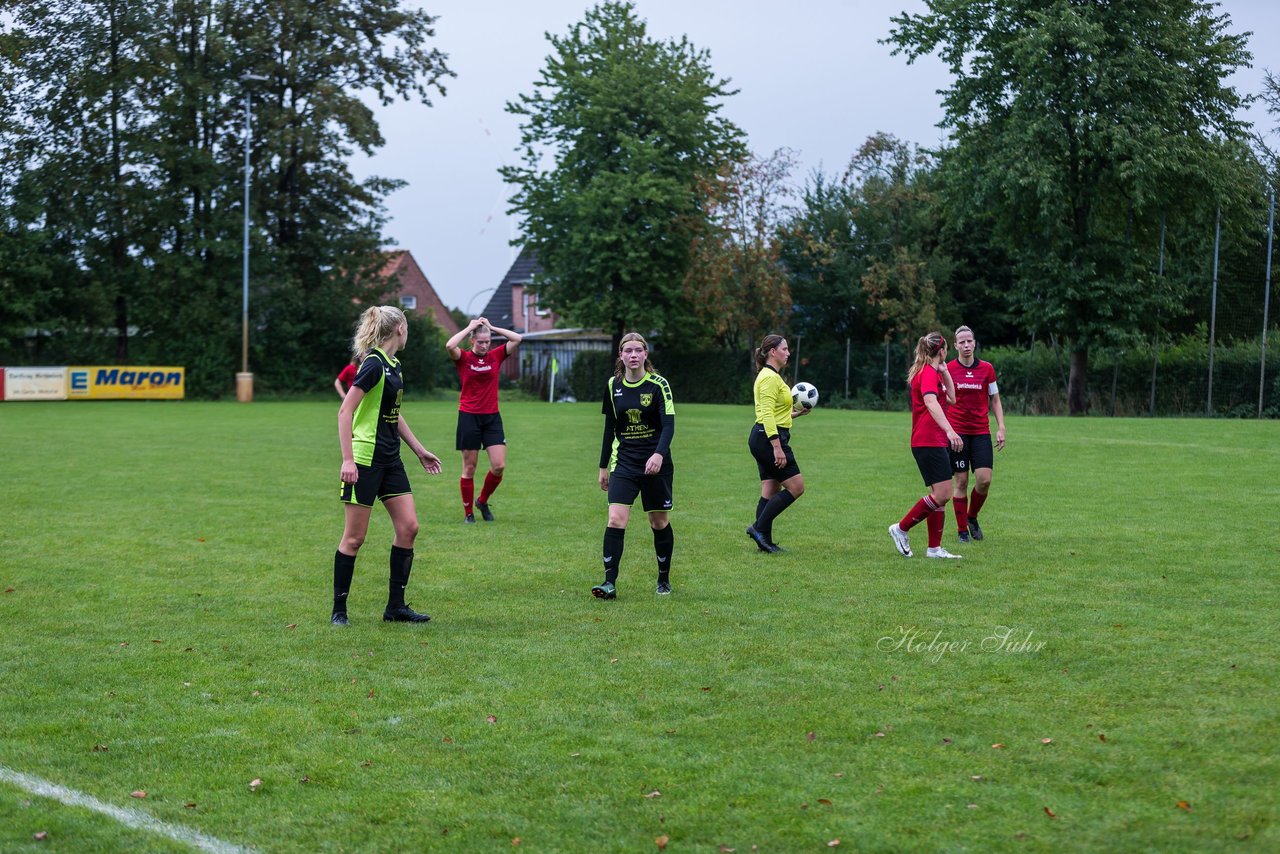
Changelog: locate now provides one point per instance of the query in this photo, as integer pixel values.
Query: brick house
(514, 304)
(413, 291)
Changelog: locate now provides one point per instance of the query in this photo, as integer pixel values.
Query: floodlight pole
(244, 379)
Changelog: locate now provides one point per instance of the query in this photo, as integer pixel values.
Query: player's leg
(657, 502)
(792, 488)
(623, 490)
(357, 505)
(497, 466)
(404, 521)
(467, 441)
(935, 469)
(983, 462)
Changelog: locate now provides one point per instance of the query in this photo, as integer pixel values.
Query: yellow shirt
(773, 401)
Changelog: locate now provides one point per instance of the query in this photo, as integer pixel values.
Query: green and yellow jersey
(639, 421)
(375, 429)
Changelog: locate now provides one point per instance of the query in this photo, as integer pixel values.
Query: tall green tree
(1075, 126)
(631, 127)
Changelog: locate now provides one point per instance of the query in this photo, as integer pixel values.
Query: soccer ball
(804, 396)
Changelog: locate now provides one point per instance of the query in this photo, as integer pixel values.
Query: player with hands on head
(977, 397)
(781, 482)
(370, 429)
(635, 459)
(931, 438)
(479, 421)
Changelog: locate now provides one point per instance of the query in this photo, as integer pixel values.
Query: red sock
(468, 487)
(918, 513)
(937, 519)
(491, 482)
(961, 503)
(976, 502)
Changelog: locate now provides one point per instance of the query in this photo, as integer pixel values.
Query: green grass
(170, 575)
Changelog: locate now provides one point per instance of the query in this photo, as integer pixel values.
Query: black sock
(664, 540)
(760, 506)
(612, 552)
(401, 566)
(779, 502)
(344, 566)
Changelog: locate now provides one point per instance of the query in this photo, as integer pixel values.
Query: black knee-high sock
(760, 506)
(344, 566)
(612, 552)
(664, 541)
(779, 502)
(401, 566)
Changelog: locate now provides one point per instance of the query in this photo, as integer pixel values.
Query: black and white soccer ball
(804, 396)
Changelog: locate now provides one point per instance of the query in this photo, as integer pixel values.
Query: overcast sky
(812, 77)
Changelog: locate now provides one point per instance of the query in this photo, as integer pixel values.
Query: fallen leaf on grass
(1050, 813)
(997, 746)
(1046, 741)
(977, 778)
(190, 805)
(661, 842)
(100, 748)
(305, 780)
(575, 755)
(516, 840)
(8, 590)
(368, 763)
(124, 643)
(1102, 736)
(256, 694)
(804, 806)
(654, 794)
(706, 687)
(370, 694)
(154, 640)
(491, 719)
(447, 740)
(835, 843)
(725, 849)
(838, 774)
(292, 626)
(139, 793)
(946, 741)
(613, 661)
(824, 802)
(879, 735)
(255, 784)
(43, 834)
(810, 736)
(1183, 805)
(972, 806)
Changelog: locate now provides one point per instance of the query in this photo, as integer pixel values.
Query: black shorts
(479, 431)
(934, 464)
(976, 454)
(654, 489)
(376, 482)
(762, 450)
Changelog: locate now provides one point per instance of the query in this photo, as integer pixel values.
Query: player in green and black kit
(370, 428)
(635, 459)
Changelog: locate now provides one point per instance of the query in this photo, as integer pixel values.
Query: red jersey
(347, 376)
(974, 387)
(925, 432)
(479, 378)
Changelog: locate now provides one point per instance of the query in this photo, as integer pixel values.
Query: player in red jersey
(976, 395)
(479, 422)
(342, 384)
(931, 436)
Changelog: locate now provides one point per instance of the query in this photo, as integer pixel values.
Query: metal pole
(1213, 309)
(1266, 300)
(846, 368)
(1155, 357)
(886, 369)
(244, 308)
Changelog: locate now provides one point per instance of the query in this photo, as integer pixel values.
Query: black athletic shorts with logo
(762, 450)
(479, 431)
(934, 464)
(654, 489)
(976, 454)
(376, 482)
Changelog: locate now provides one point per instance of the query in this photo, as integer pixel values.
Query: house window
(409, 303)
(538, 309)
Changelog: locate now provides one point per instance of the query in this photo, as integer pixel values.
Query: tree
(1076, 127)
(735, 282)
(632, 128)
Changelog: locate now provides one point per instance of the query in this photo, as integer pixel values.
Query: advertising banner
(35, 383)
(146, 382)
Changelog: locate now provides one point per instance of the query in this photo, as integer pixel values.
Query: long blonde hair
(926, 348)
(377, 324)
(619, 369)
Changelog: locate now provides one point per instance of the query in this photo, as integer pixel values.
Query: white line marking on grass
(127, 816)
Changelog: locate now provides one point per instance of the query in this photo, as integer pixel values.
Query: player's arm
(346, 415)
(935, 409)
(337, 386)
(948, 385)
(998, 410)
(452, 346)
(513, 338)
(430, 462)
(610, 429)
(668, 431)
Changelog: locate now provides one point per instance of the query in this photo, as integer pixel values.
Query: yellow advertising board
(144, 382)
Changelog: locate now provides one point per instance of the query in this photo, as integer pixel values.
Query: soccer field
(1099, 674)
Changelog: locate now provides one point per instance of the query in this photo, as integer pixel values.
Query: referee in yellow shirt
(781, 482)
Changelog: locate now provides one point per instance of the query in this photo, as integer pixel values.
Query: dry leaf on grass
(255, 784)
(42, 835)
(997, 746)
(661, 842)
(139, 793)
(491, 719)
(1183, 805)
(1050, 813)
(654, 794)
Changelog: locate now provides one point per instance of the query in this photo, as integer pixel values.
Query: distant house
(414, 291)
(514, 305)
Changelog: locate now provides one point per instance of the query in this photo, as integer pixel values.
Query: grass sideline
(166, 574)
